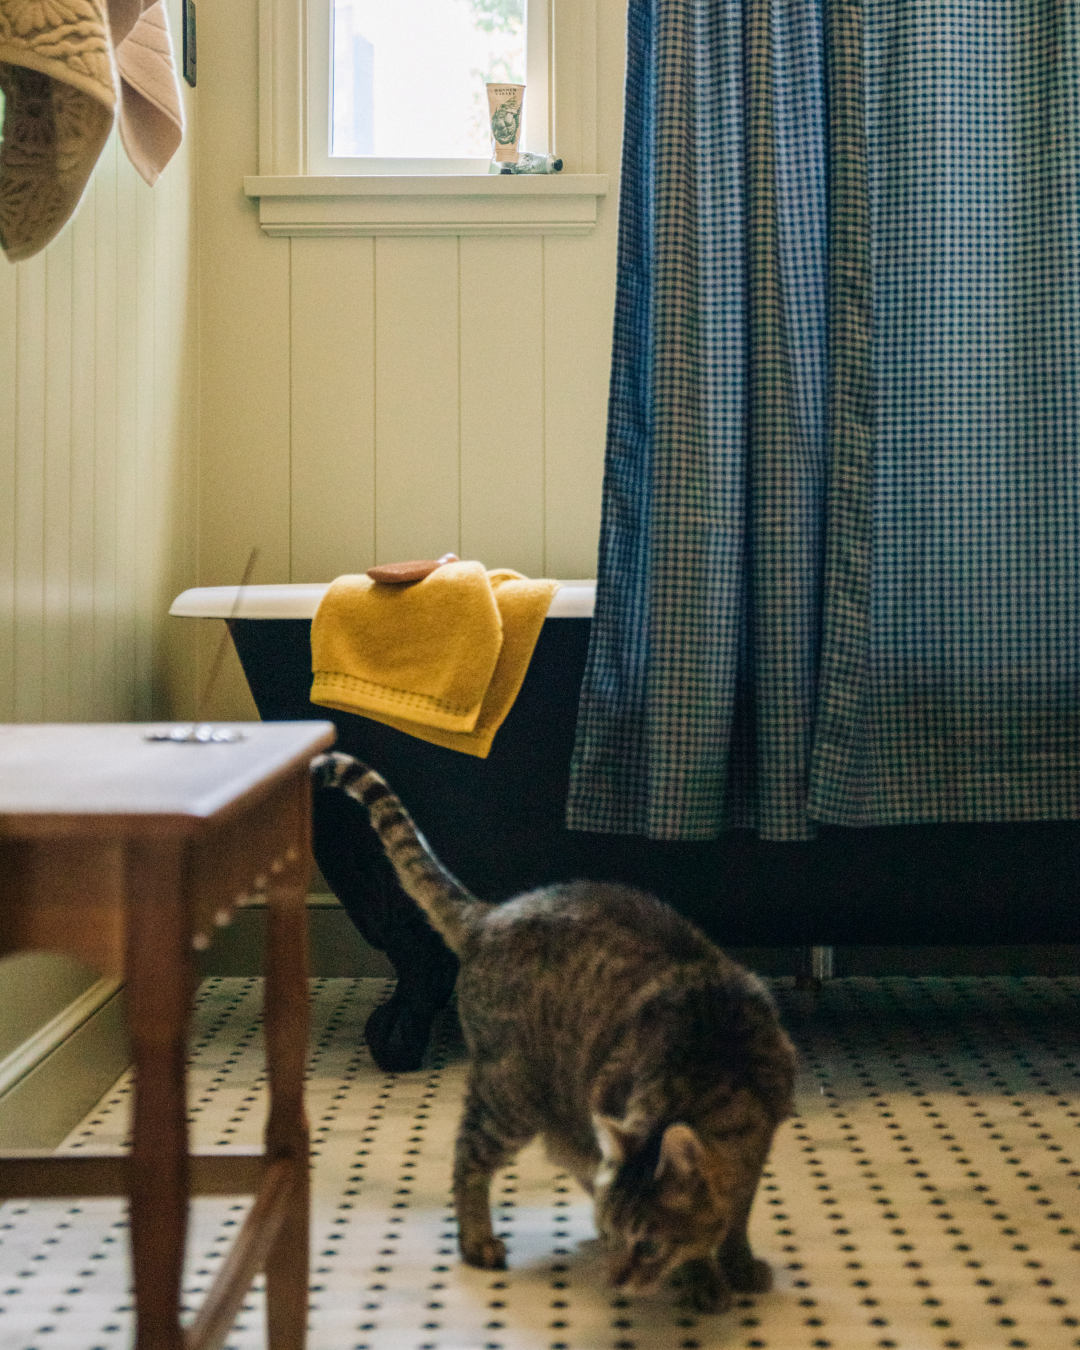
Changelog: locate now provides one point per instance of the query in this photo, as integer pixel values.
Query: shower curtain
(839, 570)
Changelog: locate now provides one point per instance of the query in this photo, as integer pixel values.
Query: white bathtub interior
(300, 600)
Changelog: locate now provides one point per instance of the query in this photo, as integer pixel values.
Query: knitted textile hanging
(66, 67)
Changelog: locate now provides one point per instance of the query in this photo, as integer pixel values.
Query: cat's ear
(682, 1154)
(616, 1142)
(682, 1171)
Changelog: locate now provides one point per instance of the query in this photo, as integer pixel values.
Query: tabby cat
(652, 1065)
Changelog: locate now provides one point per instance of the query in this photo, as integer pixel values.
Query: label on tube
(504, 109)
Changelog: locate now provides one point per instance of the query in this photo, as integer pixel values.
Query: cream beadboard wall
(98, 463)
(98, 430)
(378, 398)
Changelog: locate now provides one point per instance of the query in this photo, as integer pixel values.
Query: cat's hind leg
(488, 1138)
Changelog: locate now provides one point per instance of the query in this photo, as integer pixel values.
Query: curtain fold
(839, 770)
(697, 710)
(973, 130)
(839, 570)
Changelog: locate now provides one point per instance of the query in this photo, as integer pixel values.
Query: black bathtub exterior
(498, 825)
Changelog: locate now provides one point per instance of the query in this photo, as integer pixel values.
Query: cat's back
(570, 917)
(558, 985)
(545, 977)
(578, 947)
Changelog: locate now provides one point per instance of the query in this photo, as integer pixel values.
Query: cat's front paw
(487, 1254)
(702, 1286)
(751, 1277)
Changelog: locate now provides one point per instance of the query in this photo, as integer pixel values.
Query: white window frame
(298, 196)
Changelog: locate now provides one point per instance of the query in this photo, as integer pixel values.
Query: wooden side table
(127, 853)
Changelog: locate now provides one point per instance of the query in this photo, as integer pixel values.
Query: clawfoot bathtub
(497, 823)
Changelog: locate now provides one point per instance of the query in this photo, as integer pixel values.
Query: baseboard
(50, 1081)
(337, 949)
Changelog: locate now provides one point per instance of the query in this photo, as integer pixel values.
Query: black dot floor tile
(925, 1196)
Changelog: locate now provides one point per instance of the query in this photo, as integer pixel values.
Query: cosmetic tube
(529, 163)
(504, 110)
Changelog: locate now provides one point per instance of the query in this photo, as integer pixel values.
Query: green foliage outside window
(501, 16)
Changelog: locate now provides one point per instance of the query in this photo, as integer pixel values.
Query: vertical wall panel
(57, 482)
(244, 410)
(81, 681)
(128, 269)
(417, 485)
(30, 492)
(333, 407)
(8, 485)
(502, 402)
(106, 525)
(174, 450)
(579, 301)
(176, 425)
(147, 518)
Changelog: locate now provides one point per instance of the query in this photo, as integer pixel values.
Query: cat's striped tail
(451, 910)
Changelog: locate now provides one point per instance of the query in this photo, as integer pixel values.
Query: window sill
(428, 205)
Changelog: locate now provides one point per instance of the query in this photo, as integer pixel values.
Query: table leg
(286, 1018)
(159, 983)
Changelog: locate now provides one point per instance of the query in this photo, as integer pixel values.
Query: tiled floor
(927, 1194)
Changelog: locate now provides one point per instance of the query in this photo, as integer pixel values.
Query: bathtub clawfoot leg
(398, 1031)
(353, 863)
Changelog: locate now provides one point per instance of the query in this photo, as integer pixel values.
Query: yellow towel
(442, 659)
(523, 605)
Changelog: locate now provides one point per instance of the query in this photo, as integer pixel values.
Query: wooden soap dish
(397, 574)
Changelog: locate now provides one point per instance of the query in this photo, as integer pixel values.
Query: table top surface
(111, 770)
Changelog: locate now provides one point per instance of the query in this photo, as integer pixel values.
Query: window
(399, 88)
(333, 163)
(407, 79)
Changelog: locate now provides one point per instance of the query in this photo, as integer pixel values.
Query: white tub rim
(300, 600)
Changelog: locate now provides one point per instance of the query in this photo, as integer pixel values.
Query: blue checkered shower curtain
(839, 573)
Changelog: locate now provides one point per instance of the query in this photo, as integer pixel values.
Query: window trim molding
(283, 87)
(314, 204)
(421, 204)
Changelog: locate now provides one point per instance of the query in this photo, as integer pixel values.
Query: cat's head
(660, 1201)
